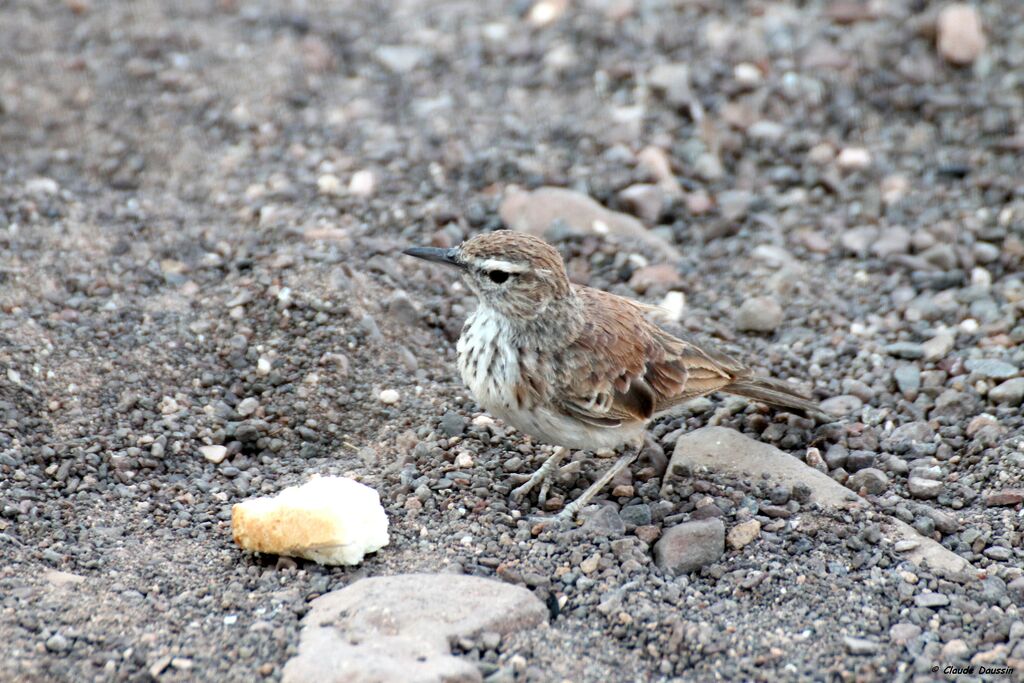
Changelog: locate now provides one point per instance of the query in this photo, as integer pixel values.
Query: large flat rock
(729, 453)
(538, 211)
(399, 628)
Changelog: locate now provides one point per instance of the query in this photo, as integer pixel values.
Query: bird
(576, 367)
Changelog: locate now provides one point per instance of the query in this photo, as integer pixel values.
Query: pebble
(743, 534)
(747, 75)
(853, 159)
(903, 632)
(860, 646)
(689, 546)
(1005, 497)
(247, 406)
(960, 36)
(400, 59)
(328, 184)
(389, 397)
(905, 350)
(214, 454)
(412, 642)
(872, 481)
(955, 649)
(924, 488)
(58, 643)
(931, 600)
(452, 424)
(842, 405)
(363, 183)
(759, 314)
(992, 369)
(938, 347)
(908, 380)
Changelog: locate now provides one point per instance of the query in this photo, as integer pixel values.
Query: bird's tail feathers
(776, 393)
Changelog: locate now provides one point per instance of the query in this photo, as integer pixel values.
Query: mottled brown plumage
(574, 366)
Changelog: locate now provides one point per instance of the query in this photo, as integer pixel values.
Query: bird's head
(516, 274)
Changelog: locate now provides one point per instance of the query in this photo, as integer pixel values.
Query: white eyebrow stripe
(506, 266)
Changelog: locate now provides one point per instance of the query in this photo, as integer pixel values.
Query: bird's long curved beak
(448, 257)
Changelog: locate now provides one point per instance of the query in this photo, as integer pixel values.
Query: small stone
(840, 406)
(1005, 497)
(905, 546)
(853, 159)
(589, 565)
(759, 314)
(263, 366)
(743, 534)
(247, 406)
(903, 633)
(734, 204)
(623, 491)
(992, 369)
(648, 533)
(906, 350)
(924, 488)
(662, 276)
(389, 397)
(955, 649)
(998, 553)
(214, 454)
(463, 460)
(636, 515)
(400, 59)
(604, 521)
(643, 200)
(931, 600)
(57, 643)
(960, 36)
(860, 646)
(872, 481)
(673, 80)
(452, 424)
(908, 380)
(747, 75)
(891, 242)
(328, 184)
(939, 346)
(546, 12)
(363, 183)
(689, 546)
(858, 240)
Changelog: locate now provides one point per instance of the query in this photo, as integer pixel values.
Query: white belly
(489, 364)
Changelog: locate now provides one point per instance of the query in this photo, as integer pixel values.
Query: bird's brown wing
(622, 368)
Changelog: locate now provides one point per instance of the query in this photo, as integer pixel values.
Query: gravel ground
(201, 207)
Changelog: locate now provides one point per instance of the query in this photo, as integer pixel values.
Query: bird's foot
(540, 477)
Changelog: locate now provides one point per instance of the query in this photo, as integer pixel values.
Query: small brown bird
(576, 367)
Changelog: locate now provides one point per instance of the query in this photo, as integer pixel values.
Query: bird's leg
(541, 475)
(622, 463)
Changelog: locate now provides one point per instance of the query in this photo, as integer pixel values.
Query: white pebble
(389, 397)
(981, 277)
(214, 454)
(463, 459)
(363, 183)
(487, 421)
(247, 407)
(969, 325)
(263, 366)
(747, 74)
(328, 184)
(854, 159)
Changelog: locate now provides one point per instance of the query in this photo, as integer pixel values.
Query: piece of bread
(330, 520)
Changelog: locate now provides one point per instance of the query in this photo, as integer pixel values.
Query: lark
(576, 367)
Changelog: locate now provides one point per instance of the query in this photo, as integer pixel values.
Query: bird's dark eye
(497, 276)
